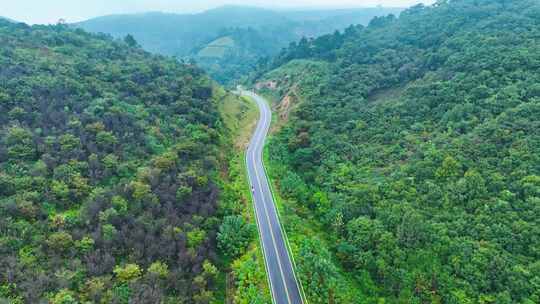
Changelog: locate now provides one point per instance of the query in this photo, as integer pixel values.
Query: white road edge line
(282, 228)
(273, 237)
(257, 176)
(261, 242)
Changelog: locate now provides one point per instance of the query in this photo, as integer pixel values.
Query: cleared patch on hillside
(386, 95)
(288, 85)
(247, 272)
(217, 48)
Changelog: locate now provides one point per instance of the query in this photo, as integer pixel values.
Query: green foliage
(140, 190)
(183, 193)
(122, 293)
(108, 232)
(64, 296)
(250, 275)
(195, 238)
(209, 270)
(130, 40)
(105, 139)
(97, 137)
(119, 204)
(128, 273)
(317, 271)
(247, 270)
(414, 142)
(159, 269)
(234, 235)
(20, 144)
(60, 190)
(69, 142)
(60, 241)
(86, 244)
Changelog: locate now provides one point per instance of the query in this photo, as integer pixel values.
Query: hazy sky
(50, 11)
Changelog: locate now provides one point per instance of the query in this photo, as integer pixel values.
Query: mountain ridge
(259, 32)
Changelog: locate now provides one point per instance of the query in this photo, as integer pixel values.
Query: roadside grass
(246, 281)
(240, 116)
(299, 226)
(248, 271)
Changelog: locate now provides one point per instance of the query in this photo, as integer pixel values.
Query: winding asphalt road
(283, 283)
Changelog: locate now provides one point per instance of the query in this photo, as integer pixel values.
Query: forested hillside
(178, 34)
(415, 143)
(256, 33)
(108, 172)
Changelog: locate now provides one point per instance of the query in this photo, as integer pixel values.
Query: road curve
(283, 283)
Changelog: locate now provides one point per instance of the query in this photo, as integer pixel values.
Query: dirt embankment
(284, 93)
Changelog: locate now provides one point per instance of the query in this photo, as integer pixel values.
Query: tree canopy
(415, 141)
(108, 160)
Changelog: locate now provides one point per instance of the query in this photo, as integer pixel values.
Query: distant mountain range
(179, 34)
(229, 39)
(7, 19)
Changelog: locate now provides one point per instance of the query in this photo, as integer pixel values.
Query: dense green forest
(111, 189)
(415, 143)
(405, 155)
(256, 33)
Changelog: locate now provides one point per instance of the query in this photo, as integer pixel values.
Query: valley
(229, 41)
(245, 155)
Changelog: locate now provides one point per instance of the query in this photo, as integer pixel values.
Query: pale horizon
(51, 11)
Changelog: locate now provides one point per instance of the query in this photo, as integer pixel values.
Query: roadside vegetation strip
(251, 197)
(282, 227)
(348, 286)
(268, 197)
(247, 133)
(241, 115)
(303, 229)
(273, 120)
